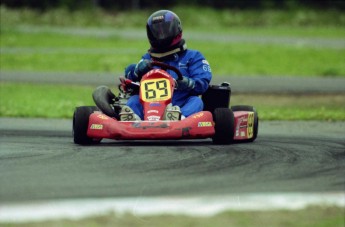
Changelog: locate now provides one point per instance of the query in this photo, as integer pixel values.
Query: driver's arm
(200, 72)
(134, 72)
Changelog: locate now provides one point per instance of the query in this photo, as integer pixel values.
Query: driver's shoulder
(146, 56)
(194, 55)
(192, 52)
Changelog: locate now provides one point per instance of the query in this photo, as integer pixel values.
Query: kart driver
(164, 32)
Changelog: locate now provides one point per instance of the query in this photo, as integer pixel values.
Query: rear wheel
(80, 124)
(224, 126)
(256, 119)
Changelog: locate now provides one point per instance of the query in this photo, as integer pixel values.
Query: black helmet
(164, 29)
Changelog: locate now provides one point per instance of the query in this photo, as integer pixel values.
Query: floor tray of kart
(217, 121)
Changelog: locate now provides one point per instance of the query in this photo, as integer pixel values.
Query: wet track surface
(39, 161)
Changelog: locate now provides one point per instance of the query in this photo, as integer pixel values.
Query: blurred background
(140, 4)
(253, 44)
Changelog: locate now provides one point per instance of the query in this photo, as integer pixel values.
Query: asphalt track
(38, 160)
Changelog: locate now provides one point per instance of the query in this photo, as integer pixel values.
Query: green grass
(25, 51)
(295, 107)
(311, 216)
(59, 101)
(97, 41)
(273, 60)
(63, 53)
(47, 101)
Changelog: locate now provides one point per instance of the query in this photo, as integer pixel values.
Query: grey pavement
(241, 84)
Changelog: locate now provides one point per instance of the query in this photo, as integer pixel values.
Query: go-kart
(224, 125)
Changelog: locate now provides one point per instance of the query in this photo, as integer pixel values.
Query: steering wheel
(166, 66)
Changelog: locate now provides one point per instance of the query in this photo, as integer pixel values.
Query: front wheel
(224, 126)
(80, 124)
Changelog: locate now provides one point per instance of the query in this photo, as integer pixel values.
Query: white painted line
(193, 206)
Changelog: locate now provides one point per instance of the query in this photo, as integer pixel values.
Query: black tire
(224, 126)
(103, 97)
(256, 119)
(80, 124)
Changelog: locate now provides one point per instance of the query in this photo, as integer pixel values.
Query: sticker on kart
(250, 125)
(205, 124)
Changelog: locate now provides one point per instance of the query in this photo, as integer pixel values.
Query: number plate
(155, 90)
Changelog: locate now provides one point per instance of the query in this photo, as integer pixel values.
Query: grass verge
(191, 17)
(59, 101)
(274, 43)
(312, 216)
(52, 52)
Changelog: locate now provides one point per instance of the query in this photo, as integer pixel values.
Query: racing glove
(142, 68)
(185, 84)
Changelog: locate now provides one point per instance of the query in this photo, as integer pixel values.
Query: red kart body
(196, 126)
(199, 125)
(244, 125)
(224, 125)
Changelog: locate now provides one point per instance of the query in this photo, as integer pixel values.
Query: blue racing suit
(192, 64)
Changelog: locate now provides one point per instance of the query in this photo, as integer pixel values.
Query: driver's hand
(142, 68)
(185, 84)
